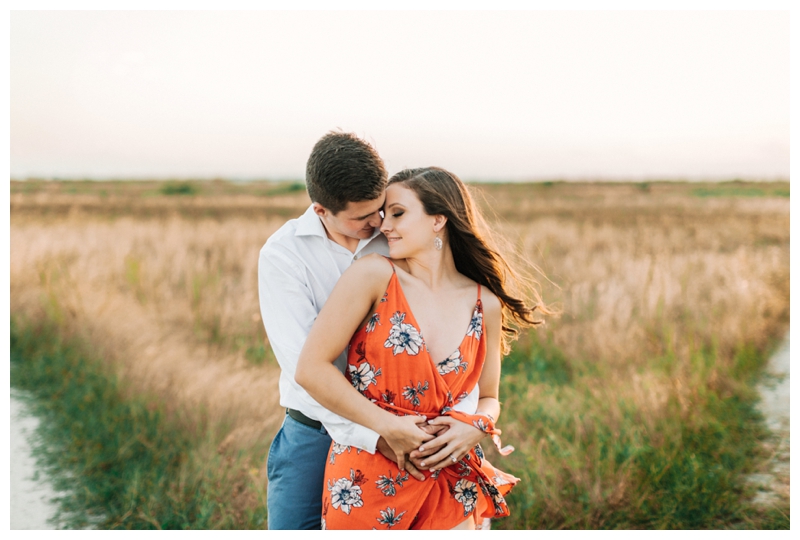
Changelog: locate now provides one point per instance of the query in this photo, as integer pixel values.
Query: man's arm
(355, 293)
(288, 312)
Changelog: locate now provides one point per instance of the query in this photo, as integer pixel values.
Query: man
(297, 270)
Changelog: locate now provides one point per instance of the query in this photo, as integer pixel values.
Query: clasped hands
(419, 444)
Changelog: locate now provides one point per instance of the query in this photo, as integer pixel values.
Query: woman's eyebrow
(394, 204)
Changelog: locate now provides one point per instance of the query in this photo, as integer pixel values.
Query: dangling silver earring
(437, 243)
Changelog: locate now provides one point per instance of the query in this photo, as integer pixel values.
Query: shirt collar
(309, 224)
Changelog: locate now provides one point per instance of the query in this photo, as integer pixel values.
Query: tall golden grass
(166, 288)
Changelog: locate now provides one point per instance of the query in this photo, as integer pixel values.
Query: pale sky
(487, 94)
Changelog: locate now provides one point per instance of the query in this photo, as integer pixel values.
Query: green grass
(738, 191)
(179, 188)
(125, 463)
(121, 461)
(283, 188)
(685, 471)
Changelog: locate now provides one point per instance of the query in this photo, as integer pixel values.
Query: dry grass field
(671, 297)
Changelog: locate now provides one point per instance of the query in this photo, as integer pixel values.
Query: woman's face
(406, 226)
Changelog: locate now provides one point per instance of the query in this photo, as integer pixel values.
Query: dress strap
(479, 291)
(390, 262)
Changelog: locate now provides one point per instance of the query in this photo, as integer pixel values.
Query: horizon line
(474, 180)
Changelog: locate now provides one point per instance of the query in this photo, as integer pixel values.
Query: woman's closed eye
(397, 214)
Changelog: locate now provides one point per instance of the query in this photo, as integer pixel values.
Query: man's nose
(376, 220)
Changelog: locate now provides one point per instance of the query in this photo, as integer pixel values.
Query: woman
(410, 362)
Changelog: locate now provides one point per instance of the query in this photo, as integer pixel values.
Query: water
(31, 505)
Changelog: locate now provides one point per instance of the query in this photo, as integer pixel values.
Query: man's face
(358, 219)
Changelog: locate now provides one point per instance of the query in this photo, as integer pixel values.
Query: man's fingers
(401, 462)
(413, 471)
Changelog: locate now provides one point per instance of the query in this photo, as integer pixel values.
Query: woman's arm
(350, 302)
(459, 437)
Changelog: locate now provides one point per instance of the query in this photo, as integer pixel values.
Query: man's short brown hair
(343, 168)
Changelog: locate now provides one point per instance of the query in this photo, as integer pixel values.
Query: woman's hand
(404, 434)
(449, 446)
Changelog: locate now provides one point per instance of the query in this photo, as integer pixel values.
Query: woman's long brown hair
(474, 251)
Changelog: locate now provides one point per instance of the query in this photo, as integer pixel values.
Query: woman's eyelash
(398, 214)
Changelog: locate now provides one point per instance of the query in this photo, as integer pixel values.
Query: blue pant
(295, 474)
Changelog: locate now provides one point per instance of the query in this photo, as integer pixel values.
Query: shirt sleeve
(288, 311)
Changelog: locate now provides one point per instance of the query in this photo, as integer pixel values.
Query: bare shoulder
(491, 304)
(369, 271)
(373, 262)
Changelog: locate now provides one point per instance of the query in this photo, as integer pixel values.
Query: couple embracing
(396, 284)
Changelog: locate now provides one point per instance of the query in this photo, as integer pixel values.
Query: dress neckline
(476, 307)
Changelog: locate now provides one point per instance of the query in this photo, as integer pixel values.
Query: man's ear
(320, 210)
(439, 222)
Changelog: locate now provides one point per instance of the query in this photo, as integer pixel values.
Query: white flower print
(463, 468)
(345, 495)
(337, 449)
(389, 518)
(499, 480)
(479, 451)
(403, 337)
(346, 492)
(388, 397)
(412, 394)
(363, 375)
(373, 320)
(481, 425)
(387, 484)
(476, 324)
(466, 493)
(497, 499)
(454, 362)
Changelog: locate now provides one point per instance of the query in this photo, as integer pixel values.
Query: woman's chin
(395, 253)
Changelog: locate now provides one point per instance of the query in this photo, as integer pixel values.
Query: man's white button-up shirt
(297, 270)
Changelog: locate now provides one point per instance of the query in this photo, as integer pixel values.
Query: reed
(672, 296)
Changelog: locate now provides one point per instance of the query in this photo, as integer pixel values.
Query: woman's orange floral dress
(388, 363)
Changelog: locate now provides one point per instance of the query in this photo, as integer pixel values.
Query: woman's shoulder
(368, 276)
(491, 303)
(373, 261)
(372, 268)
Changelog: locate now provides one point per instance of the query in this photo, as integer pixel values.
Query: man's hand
(384, 448)
(449, 446)
(416, 457)
(411, 466)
